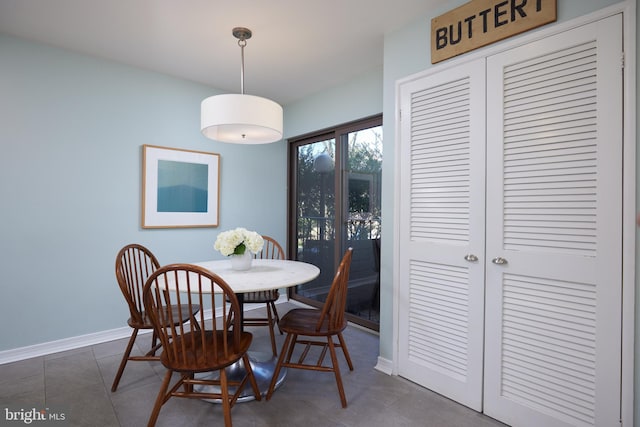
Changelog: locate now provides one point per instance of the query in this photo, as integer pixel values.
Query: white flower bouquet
(237, 241)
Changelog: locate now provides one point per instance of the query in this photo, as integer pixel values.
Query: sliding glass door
(335, 204)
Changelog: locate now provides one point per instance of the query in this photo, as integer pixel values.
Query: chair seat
(303, 321)
(190, 357)
(175, 314)
(261, 297)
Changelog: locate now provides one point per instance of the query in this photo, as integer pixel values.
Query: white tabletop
(265, 274)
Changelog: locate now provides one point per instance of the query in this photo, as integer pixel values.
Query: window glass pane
(363, 226)
(315, 208)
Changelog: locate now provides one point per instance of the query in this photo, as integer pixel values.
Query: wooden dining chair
(270, 250)
(197, 346)
(314, 327)
(134, 264)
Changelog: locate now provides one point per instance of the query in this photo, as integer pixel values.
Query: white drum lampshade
(241, 119)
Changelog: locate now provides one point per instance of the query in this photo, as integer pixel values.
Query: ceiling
(298, 47)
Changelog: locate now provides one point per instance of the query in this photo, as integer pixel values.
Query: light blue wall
(71, 131)
(350, 101)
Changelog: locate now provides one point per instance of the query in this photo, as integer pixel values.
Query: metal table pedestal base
(263, 366)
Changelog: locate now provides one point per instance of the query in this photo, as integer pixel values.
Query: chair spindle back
(193, 345)
(270, 250)
(335, 305)
(134, 265)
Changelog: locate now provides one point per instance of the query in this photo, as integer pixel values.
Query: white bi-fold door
(554, 198)
(442, 230)
(510, 235)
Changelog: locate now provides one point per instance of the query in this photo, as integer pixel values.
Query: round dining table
(264, 274)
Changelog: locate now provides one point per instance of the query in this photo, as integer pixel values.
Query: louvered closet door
(554, 185)
(442, 221)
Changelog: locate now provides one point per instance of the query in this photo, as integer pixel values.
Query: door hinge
(622, 60)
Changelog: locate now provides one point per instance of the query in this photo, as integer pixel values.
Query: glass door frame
(341, 195)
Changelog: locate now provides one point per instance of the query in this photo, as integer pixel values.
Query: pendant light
(240, 118)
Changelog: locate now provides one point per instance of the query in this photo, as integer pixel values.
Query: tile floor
(78, 383)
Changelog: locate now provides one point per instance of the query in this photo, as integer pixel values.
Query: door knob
(471, 257)
(499, 261)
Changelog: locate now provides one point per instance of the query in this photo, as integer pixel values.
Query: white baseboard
(51, 347)
(22, 353)
(65, 344)
(385, 366)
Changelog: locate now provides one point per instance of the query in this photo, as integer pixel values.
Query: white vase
(241, 262)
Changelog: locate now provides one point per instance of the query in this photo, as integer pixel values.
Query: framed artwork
(180, 188)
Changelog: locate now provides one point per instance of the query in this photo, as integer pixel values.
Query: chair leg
(292, 344)
(283, 352)
(252, 378)
(229, 319)
(194, 320)
(124, 360)
(155, 346)
(336, 371)
(154, 339)
(275, 314)
(271, 325)
(188, 385)
(160, 399)
(226, 404)
(345, 351)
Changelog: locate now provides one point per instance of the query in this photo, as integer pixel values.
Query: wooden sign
(482, 22)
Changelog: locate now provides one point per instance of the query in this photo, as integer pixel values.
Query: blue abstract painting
(182, 187)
